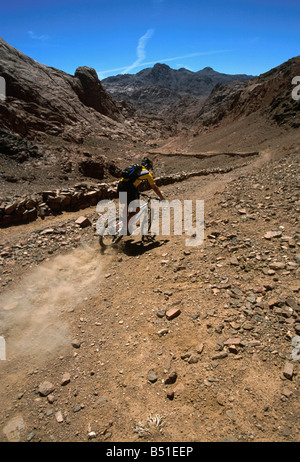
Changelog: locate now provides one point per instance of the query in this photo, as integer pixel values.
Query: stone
(173, 313)
(50, 398)
(233, 341)
(221, 355)
(297, 328)
(45, 388)
(10, 208)
(66, 378)
(248, 325)
(14, 428)
(47, 231)
(152, 376)
(59, 417)
(288, 371)
(170, 394)
(171, 378)
(179, 389)
(273, 234)
(169, 293)
(83, 222)
(200, 348)
(274, 302)
(277, 266)
(233, 349)
(234, 261)
(193, 359)
(292, 302)
(161, 313)
(286, 392)
(76, 343)
(162, 332)
(77, 409)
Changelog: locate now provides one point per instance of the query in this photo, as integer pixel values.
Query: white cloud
(37, 37)
(140, 51)
(162, 60)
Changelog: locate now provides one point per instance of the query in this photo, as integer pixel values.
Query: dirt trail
(113, 305)
(31, 311)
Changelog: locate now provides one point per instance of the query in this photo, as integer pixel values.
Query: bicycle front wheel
(111, 232)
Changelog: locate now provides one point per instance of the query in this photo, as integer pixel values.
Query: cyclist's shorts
(132, 192)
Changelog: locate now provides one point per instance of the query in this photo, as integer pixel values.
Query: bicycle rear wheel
(111, 232)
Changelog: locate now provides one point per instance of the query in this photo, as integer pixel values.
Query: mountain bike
(113, 229)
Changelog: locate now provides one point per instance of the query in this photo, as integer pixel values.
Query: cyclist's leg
(124, 200)
(133, 195)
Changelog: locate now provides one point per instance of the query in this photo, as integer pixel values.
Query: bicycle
(113, 229)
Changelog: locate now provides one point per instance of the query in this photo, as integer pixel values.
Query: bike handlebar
(150, 197)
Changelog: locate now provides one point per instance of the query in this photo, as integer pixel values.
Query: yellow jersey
(144, 174)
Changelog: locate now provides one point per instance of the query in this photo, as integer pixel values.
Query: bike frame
(118, 223)
(143, 208)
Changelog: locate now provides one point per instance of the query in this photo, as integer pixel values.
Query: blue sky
(125, 36)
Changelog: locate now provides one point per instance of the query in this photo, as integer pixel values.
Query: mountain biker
(130, 185)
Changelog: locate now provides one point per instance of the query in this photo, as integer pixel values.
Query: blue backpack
(132, 172)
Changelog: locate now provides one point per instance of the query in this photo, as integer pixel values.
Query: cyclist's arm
(147, 176)
(157, 191)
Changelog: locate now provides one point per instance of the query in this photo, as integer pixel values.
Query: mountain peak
(161, 66)
(155, 89)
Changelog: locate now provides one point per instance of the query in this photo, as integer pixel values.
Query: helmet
(146, 162)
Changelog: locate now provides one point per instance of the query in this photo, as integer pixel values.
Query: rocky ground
(163, 342)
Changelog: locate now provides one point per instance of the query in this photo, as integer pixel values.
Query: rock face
(270, 94)
(91, 92)
(155, 89)
(15, 147)
(44, 99)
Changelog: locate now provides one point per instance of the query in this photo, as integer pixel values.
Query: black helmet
(146, 162)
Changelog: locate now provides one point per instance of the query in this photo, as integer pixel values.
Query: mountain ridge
(154, 89)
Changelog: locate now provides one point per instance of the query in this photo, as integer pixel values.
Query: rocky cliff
(47, 100)
(62, 128)
(260, 114)
(269, 94)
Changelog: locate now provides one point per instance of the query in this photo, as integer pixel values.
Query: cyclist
(129, 184)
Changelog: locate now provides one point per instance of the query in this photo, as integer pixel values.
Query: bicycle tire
(107, 238)
(149, 237)
(149, 220)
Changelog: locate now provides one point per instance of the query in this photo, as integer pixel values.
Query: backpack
(132, 172)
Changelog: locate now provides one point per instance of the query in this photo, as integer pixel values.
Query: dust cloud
(31, 313)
